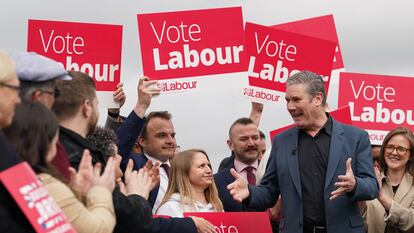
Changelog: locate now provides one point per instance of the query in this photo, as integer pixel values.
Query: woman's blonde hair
(7, 69)
(180, 183)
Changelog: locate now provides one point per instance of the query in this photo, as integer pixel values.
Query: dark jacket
(170, 225)
(75, 144)
(222, 179)
(283, 177)
(127, 134)
(12, 218)
(134, 215)
(130, 208)
(227, 162)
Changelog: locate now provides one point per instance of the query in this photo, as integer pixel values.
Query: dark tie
(166, 168)
(251, 178)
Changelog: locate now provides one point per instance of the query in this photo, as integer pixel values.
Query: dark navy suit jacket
(222, 179)
(127, 134)
(139, 162)
(282, 177)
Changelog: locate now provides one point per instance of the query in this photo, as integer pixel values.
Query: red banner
(274, 55)
(94, 49)
(378, 103)
(322, 27)
(34, 200)
(236, 222)
(342, 115)
(192, 43)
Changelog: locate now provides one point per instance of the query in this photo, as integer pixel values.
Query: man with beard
(255, 115)
(77, 111)
(38, 75)
(243, 141)
(228, 161)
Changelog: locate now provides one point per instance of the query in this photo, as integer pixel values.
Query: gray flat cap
(33, 67)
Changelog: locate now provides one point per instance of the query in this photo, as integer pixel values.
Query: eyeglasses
(400, 149)
(16, 88)
(55, 92)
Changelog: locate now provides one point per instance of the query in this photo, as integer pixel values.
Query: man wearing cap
(37, 75)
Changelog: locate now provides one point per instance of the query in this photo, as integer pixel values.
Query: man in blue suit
(156, 136)
(243, 141)
(321, 168)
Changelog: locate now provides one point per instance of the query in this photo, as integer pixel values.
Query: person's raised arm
(146, 90)
(114, 120)
(129, 131)
(256, 113)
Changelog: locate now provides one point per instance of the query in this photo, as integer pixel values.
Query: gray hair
(314, 83)
(28, 88)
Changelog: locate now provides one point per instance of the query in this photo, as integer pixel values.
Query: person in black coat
(12, 218)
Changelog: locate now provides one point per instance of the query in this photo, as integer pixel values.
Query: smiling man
(244, 140)
(157, 140)
(321, 167)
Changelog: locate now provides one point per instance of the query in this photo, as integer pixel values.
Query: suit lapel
(227, 175)
(142, 160)
(404, 188)
(335, 151)
(292, 158)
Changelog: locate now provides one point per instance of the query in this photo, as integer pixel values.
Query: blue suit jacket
(127, 134)
(282, 177)
(139, 162)
(222, 179)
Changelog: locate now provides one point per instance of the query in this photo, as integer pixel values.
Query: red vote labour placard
(33, 199)
(236, 222)
(378, 103)
(274, 55)
(322, 27)
(192, 43)
(94, 49)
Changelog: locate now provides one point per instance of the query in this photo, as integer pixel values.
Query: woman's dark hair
(31, 132)
(104, 140)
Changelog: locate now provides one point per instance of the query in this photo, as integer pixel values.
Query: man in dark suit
(156, 136)
(244, 143)
(321, 168)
